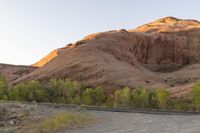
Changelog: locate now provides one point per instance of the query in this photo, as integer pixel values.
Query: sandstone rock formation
(161, 53)
(46, 59)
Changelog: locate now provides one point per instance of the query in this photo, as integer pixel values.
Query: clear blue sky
(29, 29)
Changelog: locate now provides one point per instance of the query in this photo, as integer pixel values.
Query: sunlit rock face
(168, 24)
(46, 59)
(150, 55)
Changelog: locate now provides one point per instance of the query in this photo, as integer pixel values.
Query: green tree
(110, 100)
(72, 91)
(140, 98)
(37, 91)
(196, 95)
(122, 98)
(162, 97)
(54, 91)
(152, 102)
(179, 104)
(88, 95)
(29, 91)
(94, 96)
(4, 92)
(99, 96)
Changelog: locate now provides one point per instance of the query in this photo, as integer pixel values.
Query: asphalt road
(119, 122)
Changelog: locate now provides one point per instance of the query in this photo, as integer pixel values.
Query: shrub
(94, 96)
(4, 92)
(54, 91)
(30, 91)
(110, 100)
(196, 95)
(162, 96)
(59, 121)
(88, 95)
(67, 91)
(140, 98)
(179, 104)
(153, 104)
(100, 96)
(62, 91)
(72, 91)
(122, 98)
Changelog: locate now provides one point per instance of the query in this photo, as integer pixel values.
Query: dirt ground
(16, 117)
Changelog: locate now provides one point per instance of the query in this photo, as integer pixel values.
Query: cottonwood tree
(196, 95)
(140, 98)
(122, 98)
(162, 96)
(4, 92)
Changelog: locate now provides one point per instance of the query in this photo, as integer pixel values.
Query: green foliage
(162, 96)
(4, 92)
(94, 96)
(140, 98)
(67, 91)
(122, 98)
(153, 104)
(196, 94)
(88, 94)
(62, 91)
(55, 91)
(30, 91)
(110, 100)
(179, 104)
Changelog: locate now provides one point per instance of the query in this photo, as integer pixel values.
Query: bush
(62, 91)
(179, 104)
(94, 96)
(196, 95)
(60, 121)
(110, 100)
(54, 91)
(72, 91)
(87, 96)
(67, 91)
(162, 97)
(122, 98)
(153, 104)
(30, 91)
(140, 98)
(4, 92)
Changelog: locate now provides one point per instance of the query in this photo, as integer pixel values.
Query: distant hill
(163, 53)
(13, 72)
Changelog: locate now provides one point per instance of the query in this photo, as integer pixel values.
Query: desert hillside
(12, 72)
(46, 59)
(163, 53)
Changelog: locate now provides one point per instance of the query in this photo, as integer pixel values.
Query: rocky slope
(160, 53)
(12, 72)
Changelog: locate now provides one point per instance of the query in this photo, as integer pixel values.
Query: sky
(30, 29)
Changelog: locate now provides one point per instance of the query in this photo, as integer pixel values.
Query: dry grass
(59, 121)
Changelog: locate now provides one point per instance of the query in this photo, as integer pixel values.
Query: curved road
(119, 122)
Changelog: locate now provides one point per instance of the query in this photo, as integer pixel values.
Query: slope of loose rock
(12, 72)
